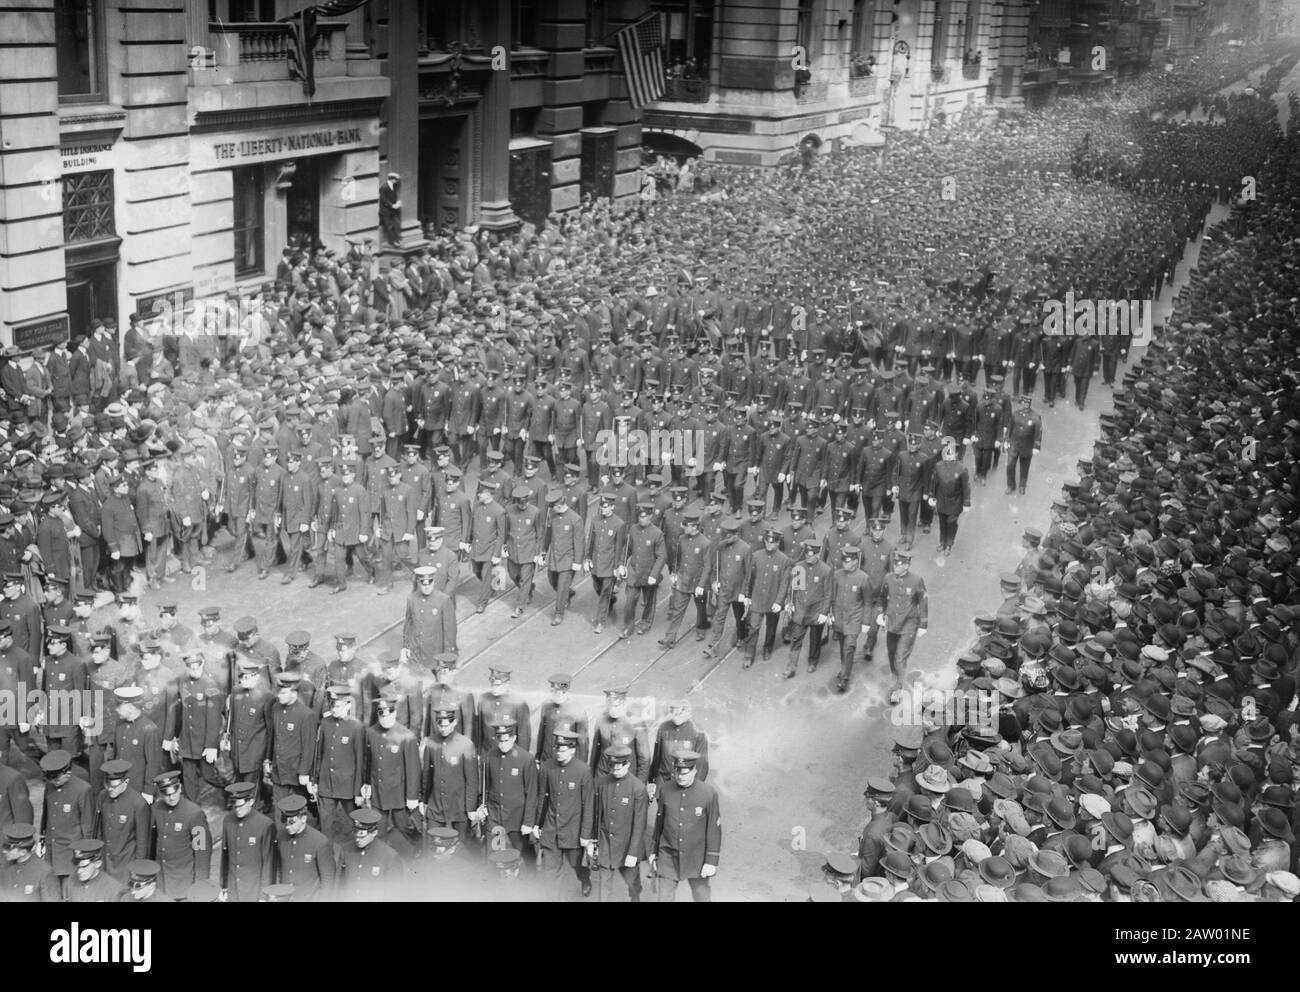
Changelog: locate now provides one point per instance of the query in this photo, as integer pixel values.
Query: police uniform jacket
(730, 566)
(769, 580)
(906, 605)
(430, 626)
(487, 532)
(151, 509)
(307, 863)
(140, 743)
(522, 534)
(68, 815)
(15, 799)
(622, 808)
(950, 488)
(563, 536)
(669, 738)
(247, 710)
(556, 716)
(182, 844)
(450, 778)
(350, 516)
(32, 881)
(688, 826)
(340, 758)
(247, 855)
(194, 716)
(851, 595)
(392, 766)
(646, 554)
(1025, 432)
(102, 888)
(566, 804)
(606, 542)
(123, 826)
(495, 708)
(290, 741)
(511, 787)
(609, 732)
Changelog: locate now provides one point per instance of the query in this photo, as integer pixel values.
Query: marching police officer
(566, 812)
(621, 812)
(687, 839)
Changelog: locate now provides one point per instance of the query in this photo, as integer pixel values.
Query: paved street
(790, 757)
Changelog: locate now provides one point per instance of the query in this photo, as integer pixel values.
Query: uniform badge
(28, 889)
(63, 676)
(433, 613)
(611, 534)
(454, 759)
(177, 827)
(252, 842)
(135, 743)
(308, 858)
(289, 727)
(344, 740)
(252, 711)
(625, 800)
(375, 871)
(573, 785)
(699, 810)
(394, 748)
(737, 557)
(67, 807)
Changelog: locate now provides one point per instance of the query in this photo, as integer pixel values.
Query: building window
(863, 59)
(250, 220)
(596, 29)
(804, 33)
(939, 46)
(88, 206)
(444, 22)
(242, 11)
(525, 27)
(523, 122)
(690, 37)
(79, 49)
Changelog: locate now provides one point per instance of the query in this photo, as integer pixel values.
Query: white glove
(210, 755)
(186, 521)
(920, 631)
(866, 627)
(880, 620)
(822, 618)
(780, 477)
(699, 591)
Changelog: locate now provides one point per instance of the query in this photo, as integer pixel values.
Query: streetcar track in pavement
(712, 668)
(520, 623)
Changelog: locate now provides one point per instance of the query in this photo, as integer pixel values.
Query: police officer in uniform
(304, 855)
(510, 787)
(367, 866)
(566, 813)
(122, 818)
(23, 876)
(247, 846)
(340, 765)
(89, 883)
(687, 839)
(290, 739)
(621, 817)
(182, 840)
(449, 793)
(393, 778)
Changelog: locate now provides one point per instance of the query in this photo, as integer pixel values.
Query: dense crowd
(824, 332)
(1144, 743)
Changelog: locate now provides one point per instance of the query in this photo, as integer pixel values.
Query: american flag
(641, 44)
(303, 36)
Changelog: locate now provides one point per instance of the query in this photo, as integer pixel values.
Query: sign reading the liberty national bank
(223, 151)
